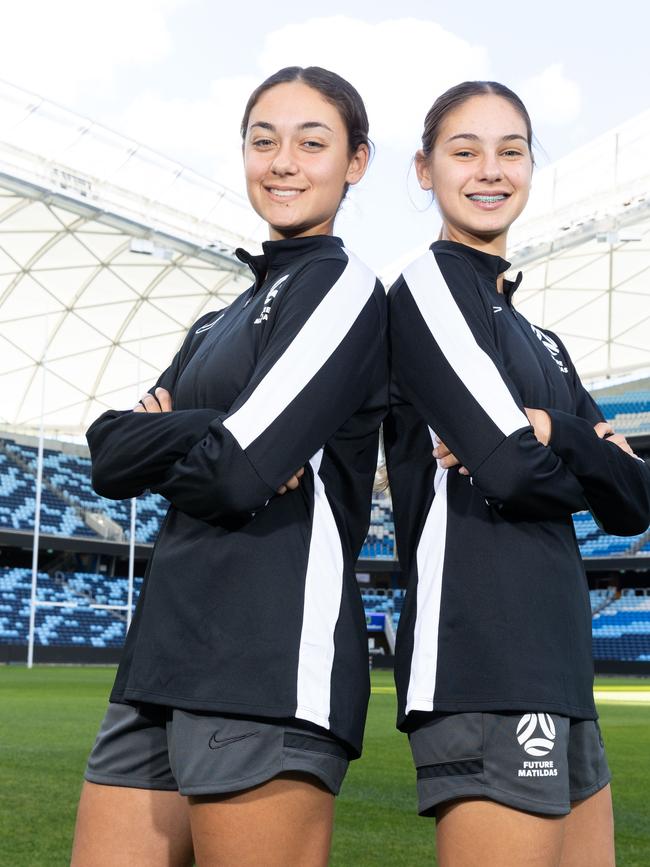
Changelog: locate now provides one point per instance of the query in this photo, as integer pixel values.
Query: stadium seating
(594, 543)
(601, 597)
(380, 542)
(17, 504)
(67, 494)
(628, 412)
(384, 602)
(58, 625)
(622, 629)
(65, 475)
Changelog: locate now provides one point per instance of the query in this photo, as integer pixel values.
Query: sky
(175, 75)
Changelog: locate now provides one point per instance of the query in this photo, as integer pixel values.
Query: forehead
(487, 116)
(292, 104)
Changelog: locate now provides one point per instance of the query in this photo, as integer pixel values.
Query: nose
(490, 169)
(284, 162)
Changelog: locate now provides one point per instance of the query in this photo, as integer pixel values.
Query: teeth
(488, 199)
(284, 192)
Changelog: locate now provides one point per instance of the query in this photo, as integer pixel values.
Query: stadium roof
(585, 249)
(583, 244)
(108, 252)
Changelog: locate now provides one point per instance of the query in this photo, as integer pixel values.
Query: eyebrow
(473, 137)
(310, 124)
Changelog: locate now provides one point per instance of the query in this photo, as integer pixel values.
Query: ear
(358, 165)
(423, 170)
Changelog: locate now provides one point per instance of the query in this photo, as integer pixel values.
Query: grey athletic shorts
(156, 747)
(536, 762)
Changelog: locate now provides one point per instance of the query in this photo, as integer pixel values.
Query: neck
(493, 244)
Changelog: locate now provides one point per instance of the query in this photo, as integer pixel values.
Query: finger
(164, 398)
(293, 483)
(282, 489)
(448, 462)
(139, 408)
(603, 429)
(464, 471)
(300, 473)
(150, 403)
(441, 451)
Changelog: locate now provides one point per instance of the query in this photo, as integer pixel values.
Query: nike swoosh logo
(209, 325)
(216, 743)
(497, 309)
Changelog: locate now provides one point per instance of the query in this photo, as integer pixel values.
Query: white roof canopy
(584, 247)
(108, 252)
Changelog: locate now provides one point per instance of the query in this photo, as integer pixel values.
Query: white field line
(610, 695)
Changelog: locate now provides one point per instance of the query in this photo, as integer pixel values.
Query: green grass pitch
(48, 720)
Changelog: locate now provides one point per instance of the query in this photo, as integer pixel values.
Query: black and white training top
(497, 613)
(250, 604)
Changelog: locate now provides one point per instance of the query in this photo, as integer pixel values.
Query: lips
(284, 193)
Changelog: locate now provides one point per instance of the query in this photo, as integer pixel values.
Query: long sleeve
(131, 451)
(616, 484)
(325, 344)
(446, 362)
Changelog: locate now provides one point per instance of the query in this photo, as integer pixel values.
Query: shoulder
(439, 276)
(339, 271)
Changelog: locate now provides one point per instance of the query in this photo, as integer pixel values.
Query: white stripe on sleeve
(322, 603)
(457, 343)
(310, 349)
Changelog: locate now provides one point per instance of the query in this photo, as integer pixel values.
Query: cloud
(551, 97)
(202, 132)
(398, 66)
(62, 49)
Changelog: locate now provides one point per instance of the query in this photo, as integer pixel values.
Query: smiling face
(479, 171)
(297, 160)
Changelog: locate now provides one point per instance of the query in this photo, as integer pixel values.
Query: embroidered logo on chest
(552, 347)
(209, 325)
(268, 301)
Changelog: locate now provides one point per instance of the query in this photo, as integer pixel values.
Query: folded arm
(446, 363)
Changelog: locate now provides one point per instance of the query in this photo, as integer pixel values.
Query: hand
(292, 483)
(162, 402)
(446, 460)
(541, 422)
(604, 430)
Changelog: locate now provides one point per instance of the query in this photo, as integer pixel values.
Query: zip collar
(279, 254)
(487, 265)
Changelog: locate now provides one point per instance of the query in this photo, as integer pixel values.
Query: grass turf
(49, 717)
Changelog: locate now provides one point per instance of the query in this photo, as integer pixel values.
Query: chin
(288, 231)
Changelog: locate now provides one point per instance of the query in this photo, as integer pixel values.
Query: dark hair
(333, 88)
(460, 93)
